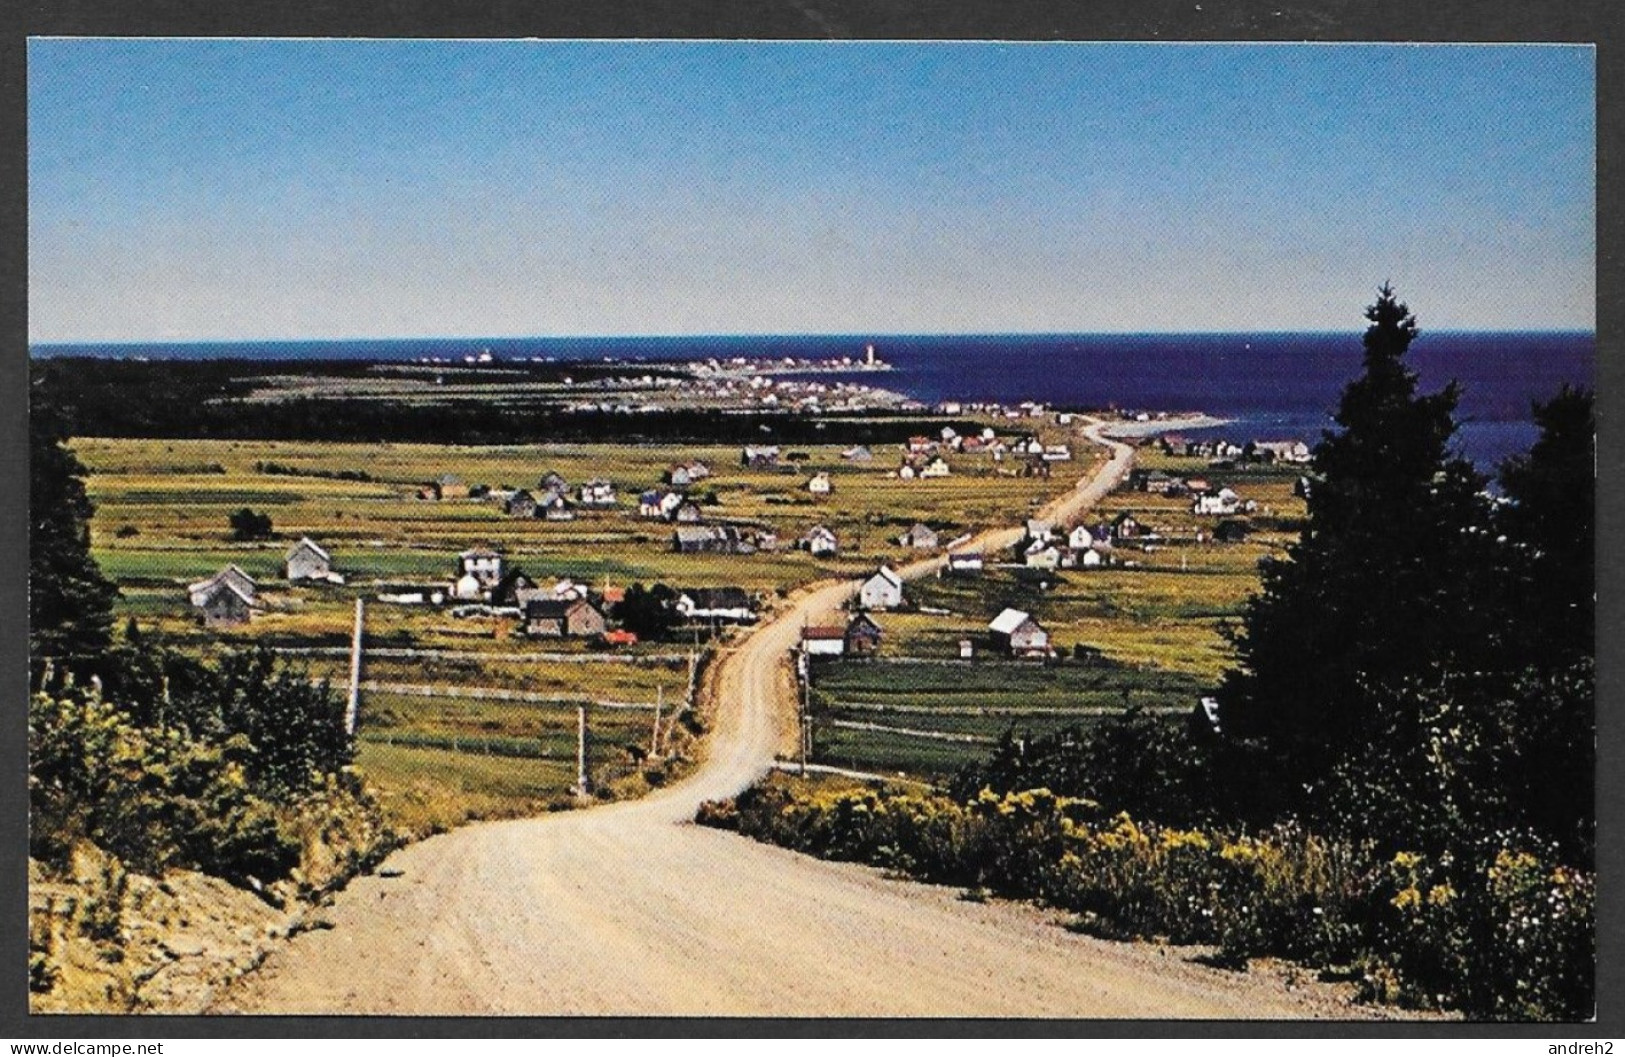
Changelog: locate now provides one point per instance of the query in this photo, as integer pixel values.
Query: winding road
(630, 909)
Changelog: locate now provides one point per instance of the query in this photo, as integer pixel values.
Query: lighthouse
(869, 355)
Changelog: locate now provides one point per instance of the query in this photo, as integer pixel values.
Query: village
(626, 580)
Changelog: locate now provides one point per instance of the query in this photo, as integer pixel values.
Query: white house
(721, 604)
(921, 537)
(883, 590)
(1019, 635)
(936, 467)
(241, 581)
(1224, 501)
(479, 570)
(558, 508)
(1283, 450)
(1041, 554)
(820, 542)
(1080, 538)
(965, 563)
(1038, 529)
(760, 456)
(1057, 453)
(597, 494)
(819, 484)
(658, 503)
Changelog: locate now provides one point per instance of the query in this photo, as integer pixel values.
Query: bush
(246, 525)
(1504, 933)
(153, 798)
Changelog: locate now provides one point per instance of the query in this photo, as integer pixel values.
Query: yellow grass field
(161, 522)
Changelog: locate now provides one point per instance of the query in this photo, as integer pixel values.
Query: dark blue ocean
(1273, 385)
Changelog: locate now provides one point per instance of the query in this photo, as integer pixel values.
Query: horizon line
(768, 336)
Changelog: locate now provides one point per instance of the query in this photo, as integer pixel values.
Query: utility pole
(352, 709)
(654, 738)
(581, 751)
(804, 670)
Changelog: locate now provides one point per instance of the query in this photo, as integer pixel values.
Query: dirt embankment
(103, 940)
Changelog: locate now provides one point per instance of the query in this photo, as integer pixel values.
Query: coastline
(1129, 430)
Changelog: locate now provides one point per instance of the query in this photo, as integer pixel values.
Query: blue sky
(193, 189)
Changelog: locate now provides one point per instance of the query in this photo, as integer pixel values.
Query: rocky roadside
(105, 940)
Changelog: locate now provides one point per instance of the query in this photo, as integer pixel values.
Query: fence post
(581, 751)
(353, 707)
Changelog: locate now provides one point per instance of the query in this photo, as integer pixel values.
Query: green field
(982, 700)
(1154, 617)
(425, 790)
(161, 522)
(1153, 621)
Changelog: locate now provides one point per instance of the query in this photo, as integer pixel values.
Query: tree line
(206, 399)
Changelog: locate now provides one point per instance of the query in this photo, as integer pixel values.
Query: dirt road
(629, 909)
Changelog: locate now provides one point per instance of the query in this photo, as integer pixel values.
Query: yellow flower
(1173, 839)
(1407, 899)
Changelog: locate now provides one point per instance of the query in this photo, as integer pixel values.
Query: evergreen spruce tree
(1550, 520)
(1390, 583)
(1549, 523)
(70, 602)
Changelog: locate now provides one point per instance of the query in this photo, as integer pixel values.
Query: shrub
(247, 525)
(152, 798)
(1502, 933)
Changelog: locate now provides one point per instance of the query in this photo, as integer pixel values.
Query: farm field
(162, 508)
(161, 522)
(1150, 627)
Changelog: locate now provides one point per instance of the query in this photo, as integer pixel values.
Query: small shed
(1126, 526)
(823, 641)
(521, 504)
(563, 618)
(308, 561)
(225, 605)
(862, 634)
(1019, 634)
